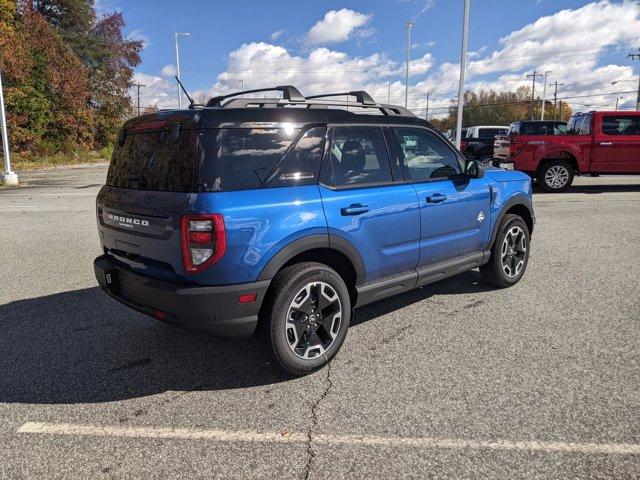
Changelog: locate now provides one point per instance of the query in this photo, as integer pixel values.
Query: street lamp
(463, 67)
(617, 99)
(426, 115)
(409, 26)
(175, 36)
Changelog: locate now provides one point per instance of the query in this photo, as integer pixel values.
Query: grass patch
(21, 163)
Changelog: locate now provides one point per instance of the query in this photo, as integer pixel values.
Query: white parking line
(293, 437)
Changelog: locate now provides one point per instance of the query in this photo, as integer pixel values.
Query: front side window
(426, 156)
(358, 156)
(620, 125)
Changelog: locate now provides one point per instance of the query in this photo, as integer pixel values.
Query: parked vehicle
(478, 144)
(596, 143)
(517, 131)
(242, 217)
(451, 134)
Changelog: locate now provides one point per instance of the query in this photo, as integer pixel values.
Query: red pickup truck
(595, 143)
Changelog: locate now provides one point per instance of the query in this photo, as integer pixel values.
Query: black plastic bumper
(212, 310)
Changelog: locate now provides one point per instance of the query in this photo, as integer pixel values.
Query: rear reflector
(247, 298)
(203, 241)
(159, 315)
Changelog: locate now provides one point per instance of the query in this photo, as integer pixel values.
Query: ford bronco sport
(282, 215)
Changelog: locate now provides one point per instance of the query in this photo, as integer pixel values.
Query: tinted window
(492, 132)
(301, 164)
(514, 128)
(426, 156)
(621, 125)
(358, 156)
(585, 126)
(163, 161)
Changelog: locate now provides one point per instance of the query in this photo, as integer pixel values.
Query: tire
(555, 176)
(512, 251)
(487, 160)
(296, 337)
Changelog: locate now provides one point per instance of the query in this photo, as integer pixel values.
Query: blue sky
(353, 44)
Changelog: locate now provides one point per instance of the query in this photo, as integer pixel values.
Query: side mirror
(474, 169)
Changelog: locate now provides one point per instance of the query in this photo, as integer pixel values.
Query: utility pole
(533, 91)
(426, 115)
(463, 69)
(636, 56)
(175, 36)
(617, 99)
(138, 85)
(409, 26)
(556, 84)
(7, 177)
(544, 95)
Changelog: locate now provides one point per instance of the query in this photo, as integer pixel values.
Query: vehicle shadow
(82, 347)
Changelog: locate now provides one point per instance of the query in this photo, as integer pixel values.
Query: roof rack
(289, 92)
(361, 96)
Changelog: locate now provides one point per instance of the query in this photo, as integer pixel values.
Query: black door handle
(354, 209)
(436, 198)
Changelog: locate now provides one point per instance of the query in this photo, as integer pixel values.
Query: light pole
(617, 99)
(388, 90)
(7, 177)
(409, 26)
(426, 115)
(138, 85)
(544, 94)
(463, 68)
(175, 36)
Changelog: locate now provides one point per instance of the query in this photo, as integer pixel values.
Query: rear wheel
(509, 254)
(555, 176)
(306, 319)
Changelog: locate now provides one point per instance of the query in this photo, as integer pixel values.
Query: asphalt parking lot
(453, 380)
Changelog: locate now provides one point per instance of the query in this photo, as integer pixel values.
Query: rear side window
(164, 161)
(300, 165)
(621, 125)
(358, 156)
(241, 158)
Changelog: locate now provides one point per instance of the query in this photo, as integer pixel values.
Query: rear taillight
(463, 145)
(203, 241)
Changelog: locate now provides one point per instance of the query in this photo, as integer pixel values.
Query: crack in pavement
(314, 422)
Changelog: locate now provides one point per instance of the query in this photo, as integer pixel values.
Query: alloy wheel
(313, 320)
(514, 251)
(557, 176)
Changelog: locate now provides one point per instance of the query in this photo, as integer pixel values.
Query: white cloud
(276, 35)
(338, 26)
(168, 71)
(139, 35)
(570, 43)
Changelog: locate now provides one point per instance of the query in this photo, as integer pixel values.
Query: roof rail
(289, 92)
(361, 96)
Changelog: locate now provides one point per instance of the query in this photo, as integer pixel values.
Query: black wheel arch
(519, 205)
(316, 248)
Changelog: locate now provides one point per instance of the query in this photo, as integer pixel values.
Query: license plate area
(111, 280)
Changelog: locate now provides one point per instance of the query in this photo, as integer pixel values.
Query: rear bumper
(212, 310)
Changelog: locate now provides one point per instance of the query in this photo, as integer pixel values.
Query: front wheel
(555, 176)
(509, 253)
(306, 319)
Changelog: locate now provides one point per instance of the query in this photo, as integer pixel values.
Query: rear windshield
(217, 159)
(491, 132)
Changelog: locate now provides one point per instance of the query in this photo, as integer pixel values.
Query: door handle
(354, 209)
(436, 198)
(605, 143)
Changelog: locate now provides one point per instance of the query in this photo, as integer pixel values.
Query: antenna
(191, 102)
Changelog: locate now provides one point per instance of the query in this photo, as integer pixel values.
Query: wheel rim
(313, 320)
(557, 176)
(514, 252)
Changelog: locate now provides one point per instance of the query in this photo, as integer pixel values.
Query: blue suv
(280, 216)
